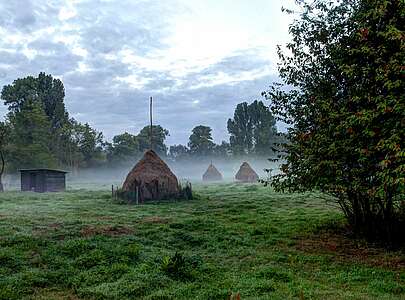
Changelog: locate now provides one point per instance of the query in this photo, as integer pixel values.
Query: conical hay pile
(246, 173)
(154, 179)
(212, 174)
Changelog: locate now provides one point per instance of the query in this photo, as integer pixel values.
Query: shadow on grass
(336, 238)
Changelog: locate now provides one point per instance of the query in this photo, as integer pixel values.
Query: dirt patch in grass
(55, 225)
(55, 295)
(349, 250)
(155, 220)
(106, 230)
(106, 218)
(48, 228)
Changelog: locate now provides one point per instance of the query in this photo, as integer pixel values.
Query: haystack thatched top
(246, 173)
(153, 178)
(212, 174)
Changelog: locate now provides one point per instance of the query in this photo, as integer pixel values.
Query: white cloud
(199, 58)
(67, 12)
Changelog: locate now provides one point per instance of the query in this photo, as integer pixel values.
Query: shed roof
(42, 169)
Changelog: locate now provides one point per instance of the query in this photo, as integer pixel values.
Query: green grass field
(232, 238)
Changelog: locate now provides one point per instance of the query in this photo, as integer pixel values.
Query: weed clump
(178, 267)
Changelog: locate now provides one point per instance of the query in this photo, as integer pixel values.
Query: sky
(197, 58)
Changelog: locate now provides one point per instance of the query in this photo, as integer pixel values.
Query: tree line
(38, 132)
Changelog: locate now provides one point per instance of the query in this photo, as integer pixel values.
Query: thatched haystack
(246, 173)
(212, 174)
(152, 179)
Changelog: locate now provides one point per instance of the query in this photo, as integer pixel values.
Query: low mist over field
(190, 170)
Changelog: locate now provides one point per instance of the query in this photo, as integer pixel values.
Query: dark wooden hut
(43, 180)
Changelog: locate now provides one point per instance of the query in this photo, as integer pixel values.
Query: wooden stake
(150, 114)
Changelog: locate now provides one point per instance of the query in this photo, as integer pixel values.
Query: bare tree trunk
(1, 171)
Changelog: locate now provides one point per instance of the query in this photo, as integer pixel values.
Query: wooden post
(137, 195)
(151, 123)
(112, 191)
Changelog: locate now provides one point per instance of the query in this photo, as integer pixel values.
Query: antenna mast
(150, 114)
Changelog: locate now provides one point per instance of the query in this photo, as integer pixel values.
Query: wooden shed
(43, 180)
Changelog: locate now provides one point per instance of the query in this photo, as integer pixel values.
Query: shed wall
(55, 181)
(43, 181)
(25, 181)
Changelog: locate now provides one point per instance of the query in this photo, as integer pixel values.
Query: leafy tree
(178, 152)
(47, 92)
(88, 144)
(346, 109)
(159, 135)
(52, 93)
(70, 156)
(41, 132)
(264, 128)
(241, 130)
(23, 90)
(30, 136)
(252, 129)
(45, 89)
(125, 147)
(222, 150)
(200, 141)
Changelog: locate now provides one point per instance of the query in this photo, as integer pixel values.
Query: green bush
(176, 267)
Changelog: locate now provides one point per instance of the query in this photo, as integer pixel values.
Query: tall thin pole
(150, 113)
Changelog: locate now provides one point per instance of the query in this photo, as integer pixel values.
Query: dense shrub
(346, 109)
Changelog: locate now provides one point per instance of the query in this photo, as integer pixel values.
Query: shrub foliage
(346, 109)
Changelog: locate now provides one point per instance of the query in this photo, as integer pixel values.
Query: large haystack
(246, 173)
(154, 179)
(212, 174)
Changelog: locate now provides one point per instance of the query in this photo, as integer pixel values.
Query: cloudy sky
(198, 58)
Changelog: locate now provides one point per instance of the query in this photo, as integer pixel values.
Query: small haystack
(212, 174)
(152, 178)
(246, 173)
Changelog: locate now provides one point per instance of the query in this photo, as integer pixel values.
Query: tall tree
(89, 145)
(41, 132)
(30, 136)
(159, 135)
(178, 152)
(264, 128)
(252, 129)
(346, 109)
(45, 89)
(241, 130)
(125, 147)
(222, 150)
(200, 141)
(49, 93)
(18, 93)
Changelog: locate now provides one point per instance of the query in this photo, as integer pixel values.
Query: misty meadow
(202, 150)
